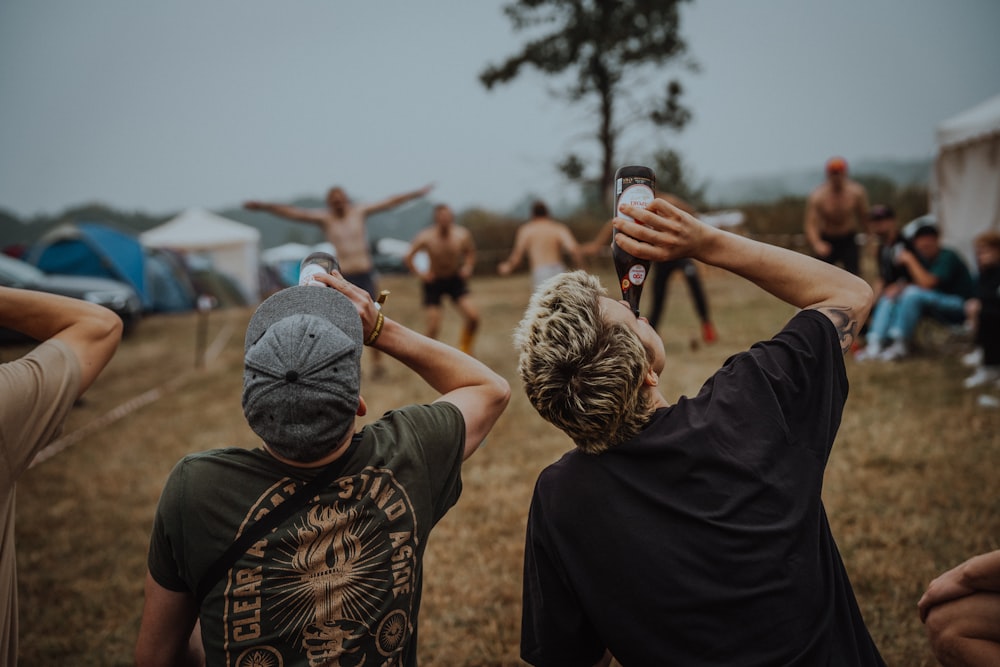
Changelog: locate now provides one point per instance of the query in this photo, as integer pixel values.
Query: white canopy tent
(232, 247)
(966, 196)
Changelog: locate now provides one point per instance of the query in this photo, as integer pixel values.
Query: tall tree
(606, 44)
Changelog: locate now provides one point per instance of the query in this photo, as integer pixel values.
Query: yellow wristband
(376, 330)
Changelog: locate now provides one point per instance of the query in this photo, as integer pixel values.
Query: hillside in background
(765, 188)
(405, 221)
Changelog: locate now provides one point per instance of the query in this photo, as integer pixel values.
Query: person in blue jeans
(940, 284)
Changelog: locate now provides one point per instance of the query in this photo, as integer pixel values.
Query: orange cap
(836, 165)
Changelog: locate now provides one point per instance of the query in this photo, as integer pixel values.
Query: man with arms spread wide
(344, 224)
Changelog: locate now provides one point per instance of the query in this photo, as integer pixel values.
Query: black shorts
(843, 249)
(365, 281)
(453, 286)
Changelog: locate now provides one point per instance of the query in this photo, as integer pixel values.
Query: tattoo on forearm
(845, 322)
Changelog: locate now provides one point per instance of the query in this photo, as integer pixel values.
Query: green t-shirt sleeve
(164, 558)
(434, 435)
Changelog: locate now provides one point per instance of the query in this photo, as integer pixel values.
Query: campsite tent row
(196, 253)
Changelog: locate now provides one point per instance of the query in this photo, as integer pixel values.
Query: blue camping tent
(90, 249)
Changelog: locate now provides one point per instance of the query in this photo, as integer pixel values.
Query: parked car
(117, 296)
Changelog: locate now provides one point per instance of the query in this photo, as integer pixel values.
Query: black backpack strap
(266, 524)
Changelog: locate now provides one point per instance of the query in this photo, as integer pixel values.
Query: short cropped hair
(539, 209)
(580, 372)
(988, 239)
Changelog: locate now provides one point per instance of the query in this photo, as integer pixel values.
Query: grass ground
(910, 487)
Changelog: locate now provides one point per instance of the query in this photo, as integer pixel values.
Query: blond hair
(580, 372)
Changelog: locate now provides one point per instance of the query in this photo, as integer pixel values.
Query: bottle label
(637, 274)
(307, 273)
(635, 194)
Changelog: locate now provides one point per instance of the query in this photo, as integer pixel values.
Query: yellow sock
(465, 343)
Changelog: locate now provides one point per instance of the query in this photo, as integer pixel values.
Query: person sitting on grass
(984, 311)
(693, 533)
(941, 282)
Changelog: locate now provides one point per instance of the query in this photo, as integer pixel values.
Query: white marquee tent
(967, 175)
(232, 247)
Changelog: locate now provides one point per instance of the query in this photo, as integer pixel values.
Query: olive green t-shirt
(340, 579)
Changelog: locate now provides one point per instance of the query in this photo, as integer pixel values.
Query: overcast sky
(157, 106)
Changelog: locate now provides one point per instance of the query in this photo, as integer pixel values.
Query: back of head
(925, 225)
(836, 166)
(302, 371)
(988, 239)
(539, 209)
(881, 212)
(581, 373)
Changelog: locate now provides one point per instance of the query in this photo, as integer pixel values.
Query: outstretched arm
(92, 332)
(601, 240)
(572, 248)
(667, 232)
(479, 393)
(397, 200)
(285, 211)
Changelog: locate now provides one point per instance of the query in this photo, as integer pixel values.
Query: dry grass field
(910, 488)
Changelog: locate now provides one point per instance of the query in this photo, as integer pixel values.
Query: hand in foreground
(660, 232)
(367, 310)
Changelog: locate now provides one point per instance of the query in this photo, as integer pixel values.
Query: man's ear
(362, 407)
(652, 378)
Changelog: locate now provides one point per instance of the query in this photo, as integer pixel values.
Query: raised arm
(667, 233)
(285, 211)
(92, 332)
(601, 240)
(478, 392)
(397, 200)
(572, 248)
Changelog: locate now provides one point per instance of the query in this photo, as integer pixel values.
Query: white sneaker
(974, 358)
(894, 352)
(871, 351)
(983, 375)
(987, 401)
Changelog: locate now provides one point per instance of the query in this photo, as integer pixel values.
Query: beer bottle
(316, 262)
(634, 185)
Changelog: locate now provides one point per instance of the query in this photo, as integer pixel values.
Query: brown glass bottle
(633, 185)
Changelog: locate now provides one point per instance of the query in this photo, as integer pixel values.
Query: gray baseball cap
(302, 370)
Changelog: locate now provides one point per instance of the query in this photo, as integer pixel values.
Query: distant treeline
(494, 232)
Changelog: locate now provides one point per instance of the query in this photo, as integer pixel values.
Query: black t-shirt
(703, 541)
(888, 269)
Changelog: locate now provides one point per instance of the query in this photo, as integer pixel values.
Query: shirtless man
(835, 213)
(344, 225)
(451, 255)
(545, 241)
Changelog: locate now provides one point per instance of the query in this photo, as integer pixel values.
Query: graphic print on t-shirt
(334, 585)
